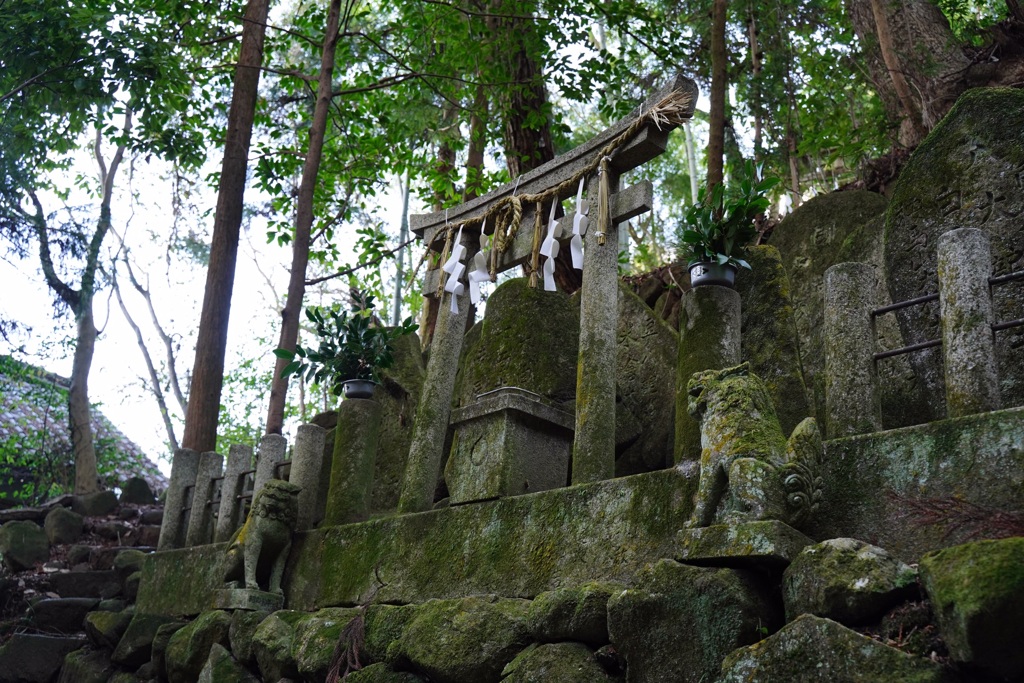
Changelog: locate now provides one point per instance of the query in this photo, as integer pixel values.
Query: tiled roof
(33, 402)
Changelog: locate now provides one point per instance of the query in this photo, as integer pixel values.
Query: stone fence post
(229, 515)
(851, 389)
(965, 305)
(307, 468)
(709, 339)
(200, 521)
(271, 452)
(184, 467)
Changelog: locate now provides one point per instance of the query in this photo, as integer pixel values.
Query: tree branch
(65, 292)
(372, 262)
(26, 83)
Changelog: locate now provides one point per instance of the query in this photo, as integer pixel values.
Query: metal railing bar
(1003, 279)
(1009, 324)
(908, 349)
(905, 304)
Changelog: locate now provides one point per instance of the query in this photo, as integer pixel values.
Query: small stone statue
(259, 549)
(748, 471)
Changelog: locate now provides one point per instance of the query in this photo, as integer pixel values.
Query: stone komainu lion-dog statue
(748, 471)
(259, 549)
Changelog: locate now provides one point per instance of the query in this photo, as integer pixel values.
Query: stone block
(189, 647)
(246, 599)
(60, 615)
(23, 545)
(317, 638)
(86, 666)
(769, 544)
(454, 641)
(62, 526)
(31, 657)
(382, 673)
(95, 584)
(95, 504)
(816, 650)
(846, 580)
(135, 647)
(105, 629)
(562, 662)
(506, 444)
(136, 491)
(352, 465)
(579, 614)
(977, 594)
(221, 667)
(184, 466)
(240, 633)
(272, 645)
(678, 622)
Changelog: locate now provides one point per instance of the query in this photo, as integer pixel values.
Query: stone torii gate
(629, 143)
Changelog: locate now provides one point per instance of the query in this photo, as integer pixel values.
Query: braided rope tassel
(538, 224)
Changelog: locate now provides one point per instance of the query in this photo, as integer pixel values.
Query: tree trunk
(716, 138)
(79, 410)
(304, 221)
(211, 341)
(915, 63)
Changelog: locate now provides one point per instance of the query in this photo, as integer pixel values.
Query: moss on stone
(562, 662)
(189, 648)
(977, 593)
(384, 624)
(578, 613)
(316, 637)
(529, 338)
(472, 639)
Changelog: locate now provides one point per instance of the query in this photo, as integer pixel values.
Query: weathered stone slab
(245, 599)
(352, 465)
(506, 444)
(968, 173)
(60, 615)
(518, 546)
(645, 381)
(189, 647)
(816, 650)
(578, 613)
(770, 544)
(23, 544)
(62, 526)
(563, 662)
(30, 657)
(870, 480)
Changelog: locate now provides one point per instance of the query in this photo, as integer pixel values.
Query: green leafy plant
(352, 346)
(721, 224)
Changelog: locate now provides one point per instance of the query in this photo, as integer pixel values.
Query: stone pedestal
(851, 392)
(709, 339)
(184, 467)
(249, 600)
(968, 347)
(507, 444)
(355, 448)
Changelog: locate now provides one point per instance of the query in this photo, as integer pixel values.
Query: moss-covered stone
(769, 341)
(645, 378)
(189, 648)
(518, 546)
(243, 626)
(135, 647)
(846, 580)
(678, 621)
(529, 339)
(160, 642)
(86, 666)
(579, 613)
(23, 544)
(977, 593)
(62, 526)
(383, 625)
(382, 673)
(129, 561)
(398, 396)
(105, 629)
(272, 645)
(870, 480)
(181, 583)
(562, 662)
(816, 650)
(453, 641)
(316, 638)
(769, 545)
(967, 173)
(221, 667)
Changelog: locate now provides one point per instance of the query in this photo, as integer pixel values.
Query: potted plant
(353, 348)
(721, 224)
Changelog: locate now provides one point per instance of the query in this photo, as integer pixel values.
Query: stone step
(60, 615)
(89, 584)
(31, 658)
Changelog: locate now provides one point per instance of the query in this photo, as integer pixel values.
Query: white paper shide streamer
(455, 268)
(579, 228)
(549, 249)
(479, 273)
